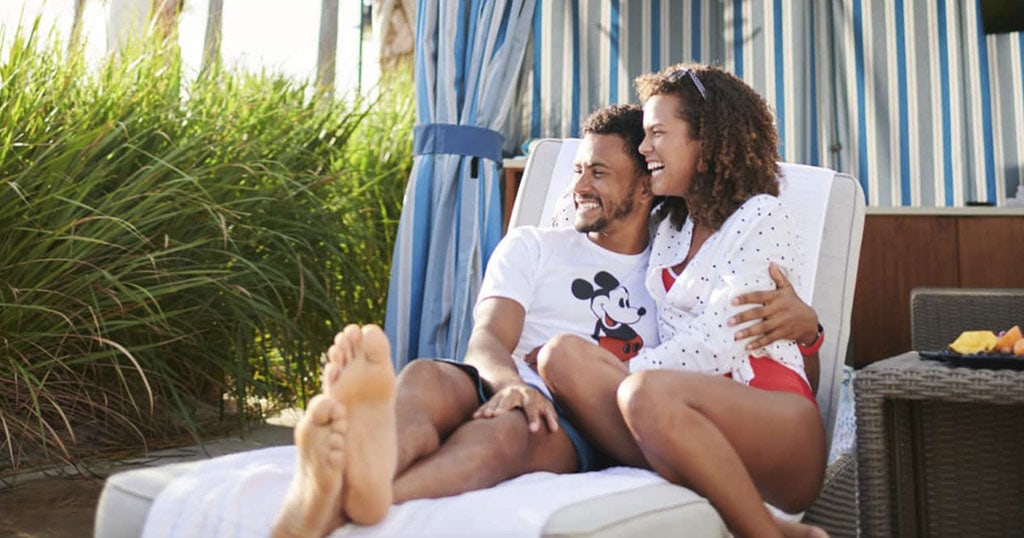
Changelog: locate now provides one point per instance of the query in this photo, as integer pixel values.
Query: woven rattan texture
(835, 510)
(939, 315)
(940, 450)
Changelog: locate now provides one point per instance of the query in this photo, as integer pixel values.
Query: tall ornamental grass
(164, 242)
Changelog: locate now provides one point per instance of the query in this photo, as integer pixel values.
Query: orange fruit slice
(1008, 339)
(1018, 347)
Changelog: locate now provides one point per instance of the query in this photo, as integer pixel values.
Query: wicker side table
(940, 450)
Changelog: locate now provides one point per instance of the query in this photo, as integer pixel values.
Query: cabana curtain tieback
(452, 139)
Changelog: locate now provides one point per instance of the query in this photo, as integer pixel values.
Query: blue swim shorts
(587, 457)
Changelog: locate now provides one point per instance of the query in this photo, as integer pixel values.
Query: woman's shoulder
(758, 208)
(760, 202)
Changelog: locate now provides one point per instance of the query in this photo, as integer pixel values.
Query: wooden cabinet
(904, 249)
(511, 176)
(992, 252)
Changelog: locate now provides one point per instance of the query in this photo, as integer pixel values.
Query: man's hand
(782, 314)
(522, 396)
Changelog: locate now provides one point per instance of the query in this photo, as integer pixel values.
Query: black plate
(976, 360)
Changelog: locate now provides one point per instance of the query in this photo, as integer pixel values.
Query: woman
(739, 426)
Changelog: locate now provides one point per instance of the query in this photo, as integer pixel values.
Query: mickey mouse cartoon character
(609, 301)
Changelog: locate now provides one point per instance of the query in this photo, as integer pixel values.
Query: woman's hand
(782, 314)
(531, 358)
(522, 396)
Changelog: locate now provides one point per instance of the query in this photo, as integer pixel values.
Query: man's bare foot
(366, 386)
(795, 529)
(313, 504)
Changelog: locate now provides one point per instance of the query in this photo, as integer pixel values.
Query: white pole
(127, 21)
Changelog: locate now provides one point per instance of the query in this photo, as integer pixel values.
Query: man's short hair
(626, 121)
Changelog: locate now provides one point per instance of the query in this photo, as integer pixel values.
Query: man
(444, 428)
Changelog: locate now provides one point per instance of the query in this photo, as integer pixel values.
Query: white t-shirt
(569, 285)
(692, 315)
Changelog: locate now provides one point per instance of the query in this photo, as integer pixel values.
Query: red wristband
(815, 346)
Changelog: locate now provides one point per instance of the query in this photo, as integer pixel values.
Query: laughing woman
(739, 426)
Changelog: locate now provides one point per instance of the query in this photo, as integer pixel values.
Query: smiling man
(442, 427)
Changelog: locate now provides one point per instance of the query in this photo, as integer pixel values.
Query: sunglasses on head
(677, 77)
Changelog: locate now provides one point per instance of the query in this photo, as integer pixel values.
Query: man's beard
(621, 210)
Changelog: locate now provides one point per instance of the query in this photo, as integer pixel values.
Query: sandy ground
(49, 508)
(61, 506)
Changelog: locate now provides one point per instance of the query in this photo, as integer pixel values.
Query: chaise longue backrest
(830, 206)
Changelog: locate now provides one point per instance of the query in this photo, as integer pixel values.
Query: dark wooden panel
(992, 252)
(898, 253)
(509, 188)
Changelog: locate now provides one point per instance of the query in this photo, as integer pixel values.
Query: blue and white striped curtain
(1006, 76)
(585, 55)
(909, 96)
(933, 105)
(468, 54)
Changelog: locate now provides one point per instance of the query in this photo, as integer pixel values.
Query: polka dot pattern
(693, 314)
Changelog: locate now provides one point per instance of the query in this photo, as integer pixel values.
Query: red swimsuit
(768, 374)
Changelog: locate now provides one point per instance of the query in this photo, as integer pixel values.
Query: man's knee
(437, 388)
(527, 451)
(420, 371)
(430, 375)
(502, 440)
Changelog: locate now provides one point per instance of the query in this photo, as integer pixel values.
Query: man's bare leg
(432, 399)
(483, 452)
(312, 506)
(366, 386)
(443, 451)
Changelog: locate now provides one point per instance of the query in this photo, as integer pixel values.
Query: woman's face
(670, 151)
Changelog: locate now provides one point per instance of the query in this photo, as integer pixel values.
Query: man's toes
(329, 376)
(341, 352)
(339, 418)
(320, 410)
(339, 337)
(375, 344)
(354, 338)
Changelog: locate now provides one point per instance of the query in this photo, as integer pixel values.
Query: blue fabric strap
(457, 140)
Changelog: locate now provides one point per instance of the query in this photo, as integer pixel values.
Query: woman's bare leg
(735, 445)
(584, 378)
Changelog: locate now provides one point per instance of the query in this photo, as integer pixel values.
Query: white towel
(239, 495)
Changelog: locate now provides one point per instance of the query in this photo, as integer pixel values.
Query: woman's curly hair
(738, 141)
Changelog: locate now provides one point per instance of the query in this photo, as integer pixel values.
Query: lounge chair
(614, 502)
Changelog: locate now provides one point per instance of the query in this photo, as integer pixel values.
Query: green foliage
(165, 241)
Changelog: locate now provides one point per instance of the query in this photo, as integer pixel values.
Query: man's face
(605, 183)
